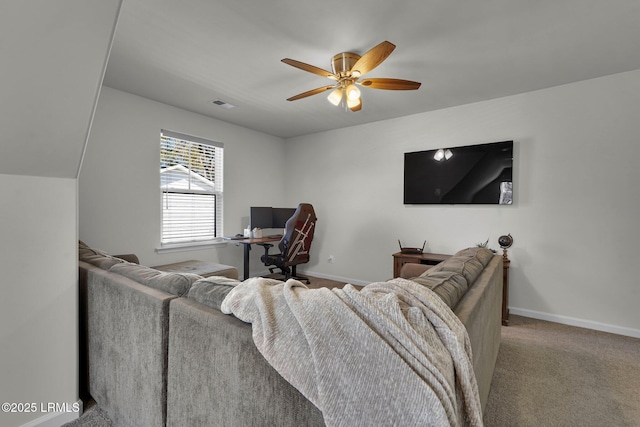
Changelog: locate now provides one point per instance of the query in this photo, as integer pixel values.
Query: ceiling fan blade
(310, 68)
(390, 84)
(373, 58)
(311, 92)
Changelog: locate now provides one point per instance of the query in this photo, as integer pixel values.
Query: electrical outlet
(330, 259)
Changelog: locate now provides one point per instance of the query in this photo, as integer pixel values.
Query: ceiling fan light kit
(354, 104)
(347, 68)
(335, 97)
(353, 92)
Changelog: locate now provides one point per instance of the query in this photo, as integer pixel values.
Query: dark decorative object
(505, 243)
(406, 250)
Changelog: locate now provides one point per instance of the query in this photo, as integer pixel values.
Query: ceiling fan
(347, 69)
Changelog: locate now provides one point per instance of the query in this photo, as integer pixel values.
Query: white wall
(119, 183)
(574, 220)
(52, 71)
(39, 304)
(51, 75)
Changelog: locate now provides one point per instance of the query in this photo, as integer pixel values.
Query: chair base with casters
(289, 272)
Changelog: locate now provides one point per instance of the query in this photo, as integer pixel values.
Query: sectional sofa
(160, 352)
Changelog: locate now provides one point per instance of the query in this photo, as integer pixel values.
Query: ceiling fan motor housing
(342, 63)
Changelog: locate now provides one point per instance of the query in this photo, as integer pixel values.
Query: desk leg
(247, 248)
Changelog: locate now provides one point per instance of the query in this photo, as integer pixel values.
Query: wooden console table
(505, 289)
(400, 259)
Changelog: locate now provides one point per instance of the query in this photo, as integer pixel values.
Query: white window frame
(186, 236)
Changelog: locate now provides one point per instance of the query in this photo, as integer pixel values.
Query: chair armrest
(266, 249)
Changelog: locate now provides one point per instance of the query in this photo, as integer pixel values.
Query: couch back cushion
(467, 262)
(211, 290)
(96, 257)
(483, 255)
(451, 278)
(449, 286)
(172, 283)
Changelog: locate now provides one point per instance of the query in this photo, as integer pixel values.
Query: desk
(247, 248)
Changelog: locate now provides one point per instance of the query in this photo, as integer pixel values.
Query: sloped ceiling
(187, 53)
(52, 60)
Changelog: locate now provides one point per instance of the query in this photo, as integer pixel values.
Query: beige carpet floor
(549, 374)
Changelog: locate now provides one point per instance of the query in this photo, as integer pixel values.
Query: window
(191, 183)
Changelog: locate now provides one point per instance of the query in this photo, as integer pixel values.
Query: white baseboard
(336, 278)
(572, 321)
(55, 419)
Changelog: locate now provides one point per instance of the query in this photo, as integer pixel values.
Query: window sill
(193, 246)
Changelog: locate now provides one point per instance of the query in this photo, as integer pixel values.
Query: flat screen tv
(473, 174)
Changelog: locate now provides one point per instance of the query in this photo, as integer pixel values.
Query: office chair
(294, 245)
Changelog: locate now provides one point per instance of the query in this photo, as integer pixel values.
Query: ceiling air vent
(221, 103)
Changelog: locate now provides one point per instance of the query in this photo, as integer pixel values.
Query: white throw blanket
(390, 354)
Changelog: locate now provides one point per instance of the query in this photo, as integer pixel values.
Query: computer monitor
(260, 217)
(281, 216)
(268, 217)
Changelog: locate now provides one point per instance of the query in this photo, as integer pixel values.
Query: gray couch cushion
(483, 255)
(217, 376)
(173, 283)
(451, 278)
(467, 262)
(201, 268)
(96, 257)
(128, 327)
(211, 290)
(449, 286)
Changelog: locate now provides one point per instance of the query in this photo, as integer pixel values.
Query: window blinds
(191, 171)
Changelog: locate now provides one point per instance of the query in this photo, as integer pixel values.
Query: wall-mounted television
(473, 174)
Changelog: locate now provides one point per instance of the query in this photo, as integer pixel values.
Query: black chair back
(296, 242)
